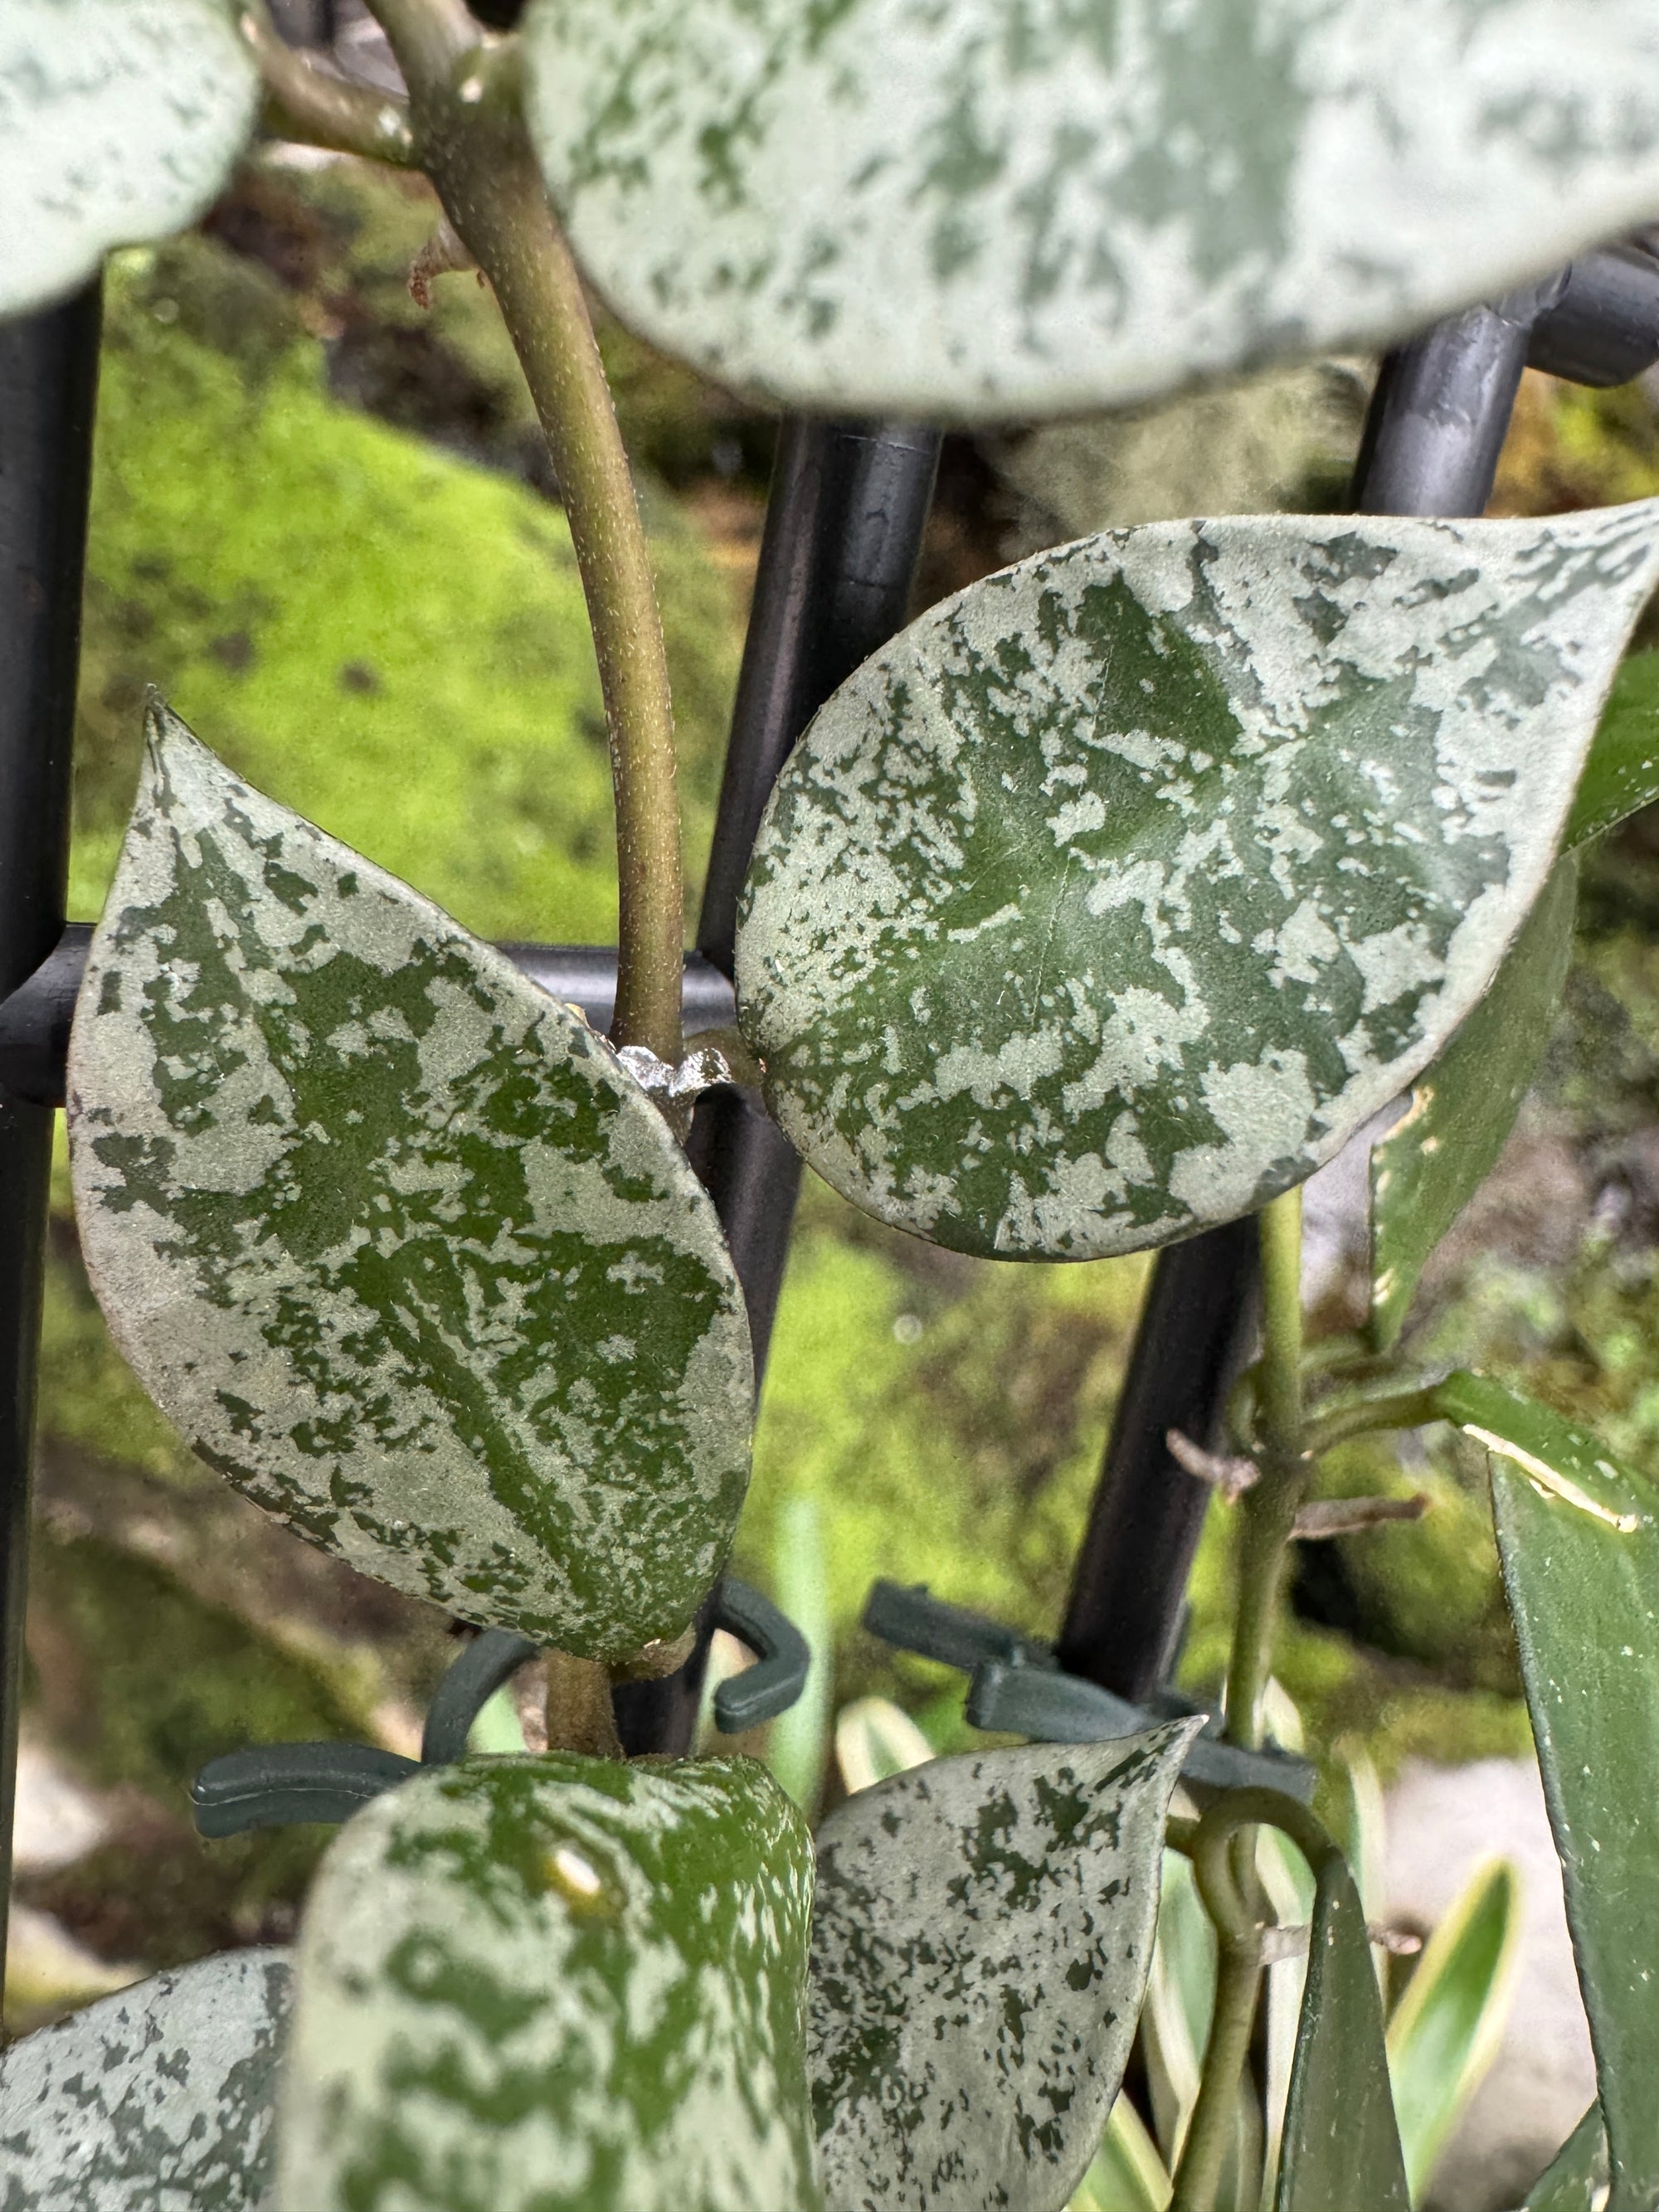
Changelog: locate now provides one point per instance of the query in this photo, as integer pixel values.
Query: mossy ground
(317, 528)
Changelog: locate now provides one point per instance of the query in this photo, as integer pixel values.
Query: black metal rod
(844, 525)
(1432, 436)
(48, 383)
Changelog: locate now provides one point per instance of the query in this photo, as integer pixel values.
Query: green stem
(464, 98)
(316, 108)
(1267, 1512)
(1398, 1409)
(1216, 1853)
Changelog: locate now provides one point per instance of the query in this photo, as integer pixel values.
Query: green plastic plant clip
(489, 1659)
(274, 1784)
(913, 1619)
(761, 1693)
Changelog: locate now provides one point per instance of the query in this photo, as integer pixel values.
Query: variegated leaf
(158, 2097)
(1009, 208)
(981, 1941)
(553, 1984)
(119, 120)
(391, 1236)
(1117, 892)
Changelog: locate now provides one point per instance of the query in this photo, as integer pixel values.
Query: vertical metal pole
(48, 379)
(1433, 433)
(844, 523)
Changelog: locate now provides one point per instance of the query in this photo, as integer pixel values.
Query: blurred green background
(323, 526)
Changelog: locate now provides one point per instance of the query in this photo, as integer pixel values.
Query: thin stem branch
(1398, 1409)
(472, 143)
(310, 105)
(1267, 1512)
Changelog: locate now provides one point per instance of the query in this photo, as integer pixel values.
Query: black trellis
(844, 526)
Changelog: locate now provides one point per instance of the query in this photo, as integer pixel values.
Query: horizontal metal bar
(34, 1021)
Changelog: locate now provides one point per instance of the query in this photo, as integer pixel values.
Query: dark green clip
(769, 1687)
(1016, 1687)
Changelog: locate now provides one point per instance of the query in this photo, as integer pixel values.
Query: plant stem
(1267, 1512)
(1399, 1409)
(579, 1713)
(472, 143)
(316, 107)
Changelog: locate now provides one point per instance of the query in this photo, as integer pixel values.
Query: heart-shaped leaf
(160, 2095)
(1462, 1106)
(391, 1236)
(552, 1984)
(978, 209)
(1115, 894)
(1577, 2179)
(981, 1941)
(119, 120)
(1621, 775)
(1340, 2144)
(1578, 1537)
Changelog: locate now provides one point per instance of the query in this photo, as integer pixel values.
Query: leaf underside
(390, 1234)
(980, 210)
(1621, 775)
(160, 2094)
(1340, 2144)
(981, 1941)
(1577, 2178)
(119, 120)
(1117, 892)
(551, 1984)
(1578, 1537)
(1428, 1166)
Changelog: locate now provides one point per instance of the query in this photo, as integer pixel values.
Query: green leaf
(1341, 2145)
(1621, 775)
(980, 1939)
(554, 1984)
(119, 120)
(1577, 2178)
(1462, 1106)
(1445, 2035)
(1578, 1537)
(1115, 893)
(988, 211)
(1125, 2173)
(161, 2094)
(391, 1236)
(874, 1740)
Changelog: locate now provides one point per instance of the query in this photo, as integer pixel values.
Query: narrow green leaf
(1445, 2035)
(983, 210)
(1115, 894)
(1577, 2179)
(1578, 1537)
(158, 2096)
(1180, 1999)
(119, 120)
(981, 1940)
(391, 1236)
(874, 1740)
(1125, 2173)
(1429, 1166)
(1342, 2146)
(554, 1984)
(1621, 775)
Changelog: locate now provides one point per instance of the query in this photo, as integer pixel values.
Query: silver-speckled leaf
(981, 1941)
(1117, 892)
(556, 1984)
(156, 2100)
(1009, 208)
(119, 120)
(391, 1236)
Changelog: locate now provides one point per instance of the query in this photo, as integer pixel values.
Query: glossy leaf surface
(390, 1234)
(978, 209)
(1578, 1537)
(1577, 2178)
(1446, 2034)
(1621, 775)
(981, 1941)
(119, 120)
(552, 1984)
(1111, 896)
(158, 2096)
(1462, 1106)
(1340, 2144)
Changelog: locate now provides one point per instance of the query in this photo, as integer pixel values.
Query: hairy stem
(1267, 1513)
(313, 106)
(473, 145)
(579, 1713)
